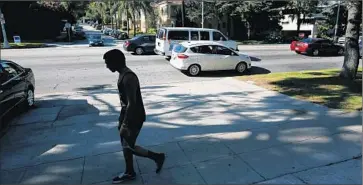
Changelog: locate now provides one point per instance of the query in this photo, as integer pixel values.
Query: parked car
(123, 36)
(196, 56)
(168, 36)
(317, 46)
(17, 85)
(95, 40)
(106, 31)
(118, 34)
(144, 43)
(341, 40)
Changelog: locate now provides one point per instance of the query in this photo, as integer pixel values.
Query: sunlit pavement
(213, 132)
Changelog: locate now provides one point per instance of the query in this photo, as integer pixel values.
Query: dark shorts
(128, 141)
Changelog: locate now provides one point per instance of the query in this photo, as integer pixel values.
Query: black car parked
(141, 44)
(17, 86)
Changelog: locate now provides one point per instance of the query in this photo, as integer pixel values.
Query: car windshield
(179, 48)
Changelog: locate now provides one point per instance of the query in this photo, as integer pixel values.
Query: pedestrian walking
(132, 115)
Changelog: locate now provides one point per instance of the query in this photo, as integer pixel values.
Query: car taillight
(182, 56)
(127, 43)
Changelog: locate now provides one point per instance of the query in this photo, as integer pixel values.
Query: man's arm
(130, 84)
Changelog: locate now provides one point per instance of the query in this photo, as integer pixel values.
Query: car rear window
(135, 38)
(179, 48)
(160, 34)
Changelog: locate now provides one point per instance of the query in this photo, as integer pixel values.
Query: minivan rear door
(160, 40)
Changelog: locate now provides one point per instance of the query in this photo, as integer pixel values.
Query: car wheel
(315, 52)
(139, 51)
(341, 51)
(29, 101)
(194, 70)
(241, 67)
(298, 52)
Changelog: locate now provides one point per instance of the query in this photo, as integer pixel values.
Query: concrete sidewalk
(213, 132)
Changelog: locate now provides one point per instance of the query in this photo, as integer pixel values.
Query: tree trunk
(111, 22)
(127, 19)
(298, 24)
(351, 57)
(116, 22)
(248, 30)
(134, 17)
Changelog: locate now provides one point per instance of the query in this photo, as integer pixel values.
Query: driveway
(213, 132)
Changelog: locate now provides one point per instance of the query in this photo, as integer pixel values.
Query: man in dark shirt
(132, 115)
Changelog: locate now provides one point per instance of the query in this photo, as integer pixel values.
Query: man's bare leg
(159, 158)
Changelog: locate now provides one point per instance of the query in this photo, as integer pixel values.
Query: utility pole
(183, 13)
(6, 43)
(202, 14)
(336, 22)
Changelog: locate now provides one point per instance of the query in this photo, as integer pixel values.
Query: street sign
(17, 39)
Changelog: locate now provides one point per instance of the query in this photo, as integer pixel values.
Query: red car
(318, 46)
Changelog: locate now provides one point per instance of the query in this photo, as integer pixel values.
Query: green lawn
(322, 87)
(26, 45)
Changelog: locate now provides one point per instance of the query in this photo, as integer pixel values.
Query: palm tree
(133, 9)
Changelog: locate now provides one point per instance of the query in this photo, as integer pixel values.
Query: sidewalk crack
(195, 167)
(299, 178)
(249, 165)
(84, 163)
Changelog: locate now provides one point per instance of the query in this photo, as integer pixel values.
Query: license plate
(296, 48)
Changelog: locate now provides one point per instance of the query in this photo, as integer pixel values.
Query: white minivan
(167, 37)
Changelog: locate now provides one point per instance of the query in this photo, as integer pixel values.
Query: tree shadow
(255, 59)
(335, 92)
(231, 73)
(94, 87)
(243, 122)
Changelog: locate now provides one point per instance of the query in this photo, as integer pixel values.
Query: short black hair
(115, 56)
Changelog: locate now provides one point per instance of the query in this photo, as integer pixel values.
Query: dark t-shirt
(132, 108)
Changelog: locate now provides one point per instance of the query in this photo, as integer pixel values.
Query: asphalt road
(70, 68)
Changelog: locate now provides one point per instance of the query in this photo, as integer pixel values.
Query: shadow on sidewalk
(212, 123)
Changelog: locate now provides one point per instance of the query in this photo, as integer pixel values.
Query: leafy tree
(331, 15)
(299, 10)
(258, 16)
(351, 58)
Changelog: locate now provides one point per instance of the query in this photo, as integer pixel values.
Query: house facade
(167, 17)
